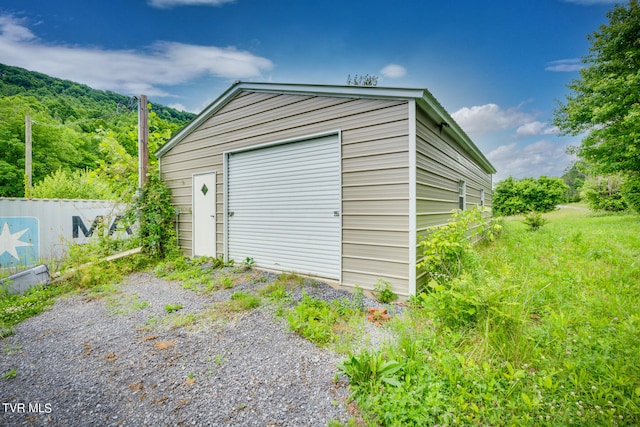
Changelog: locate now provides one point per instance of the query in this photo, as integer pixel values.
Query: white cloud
(166, 4)
(178, 106)
(540, 158)
(13, 30)
(393, 71)
(125, 71)
(488, 118)
(535, 128)
(565, 65)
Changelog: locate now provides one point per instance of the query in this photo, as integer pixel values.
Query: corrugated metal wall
(35, 230)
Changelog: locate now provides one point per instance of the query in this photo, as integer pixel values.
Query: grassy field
(542, 329)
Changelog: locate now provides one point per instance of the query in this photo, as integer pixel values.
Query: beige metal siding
(375, 172)
(440, 164)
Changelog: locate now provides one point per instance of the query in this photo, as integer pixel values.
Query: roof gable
(423, 99)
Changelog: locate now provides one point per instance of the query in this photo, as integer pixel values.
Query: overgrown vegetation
(84, 273)
(603, 193)
(85, 270)
(447, 250)
(540, 329)
(156, 219)
(15, 308)
(631, 191)
(603, 107)
(78, 184)
(513, 197)
(205, 274)
(74, 128)
(534, 221)
(383, 292)
(171, 308)
(313, 319)
(242, 301)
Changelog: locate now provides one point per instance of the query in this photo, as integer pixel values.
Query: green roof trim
(424, 99)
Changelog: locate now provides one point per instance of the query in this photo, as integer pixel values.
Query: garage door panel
(284, 206)
(268, 195)
(266, 181)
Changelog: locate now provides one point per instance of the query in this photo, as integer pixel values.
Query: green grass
(124, 304)
(196, 274)
(10, 374)
(337, 324)
(206, 275)
(542, 329)
(243, 301)
(16, 308)
(98, 280)
(170, 308)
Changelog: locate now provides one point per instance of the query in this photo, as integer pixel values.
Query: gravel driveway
(123, 360)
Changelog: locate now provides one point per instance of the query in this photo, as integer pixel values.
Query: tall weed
(543, 331)
(448, 250)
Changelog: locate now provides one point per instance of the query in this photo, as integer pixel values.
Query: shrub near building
(513, 197)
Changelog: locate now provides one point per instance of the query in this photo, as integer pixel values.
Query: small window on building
(482, 197)
(462, 195)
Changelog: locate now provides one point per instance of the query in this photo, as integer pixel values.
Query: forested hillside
(74, 129)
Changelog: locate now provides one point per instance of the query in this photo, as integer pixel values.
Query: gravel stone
(100, 362)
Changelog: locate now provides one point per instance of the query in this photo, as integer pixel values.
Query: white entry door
(204, 214)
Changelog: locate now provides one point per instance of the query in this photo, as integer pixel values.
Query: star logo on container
(19, 241)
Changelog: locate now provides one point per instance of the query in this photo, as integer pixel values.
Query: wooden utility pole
(27, 157)
(143, 140)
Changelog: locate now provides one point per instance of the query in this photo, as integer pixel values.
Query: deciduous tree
(604, 103)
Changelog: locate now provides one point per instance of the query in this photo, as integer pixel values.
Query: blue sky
(499, 67)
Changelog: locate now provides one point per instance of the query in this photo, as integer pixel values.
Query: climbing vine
(156, 218)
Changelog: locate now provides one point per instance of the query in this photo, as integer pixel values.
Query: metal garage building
(337, 182)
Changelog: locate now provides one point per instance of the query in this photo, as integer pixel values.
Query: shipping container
(37, 230)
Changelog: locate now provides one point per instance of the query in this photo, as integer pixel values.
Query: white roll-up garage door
(284, 206)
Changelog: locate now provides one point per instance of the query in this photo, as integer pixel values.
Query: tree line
(84, 140)
(603, 107)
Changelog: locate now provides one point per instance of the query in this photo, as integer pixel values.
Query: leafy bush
(513, 197)
(448, 249)
(456, 304)
(603, 193)
(631, 191)
(80, 184)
